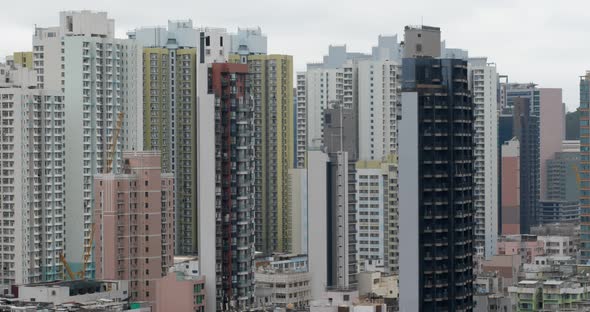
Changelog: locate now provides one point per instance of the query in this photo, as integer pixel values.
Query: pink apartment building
(527, 246)
(133, 224)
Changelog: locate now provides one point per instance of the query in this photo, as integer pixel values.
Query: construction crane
(63, 260)
(577, 171)
(108, 168)
(79, 275)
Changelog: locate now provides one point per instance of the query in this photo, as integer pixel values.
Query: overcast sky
(541, 41)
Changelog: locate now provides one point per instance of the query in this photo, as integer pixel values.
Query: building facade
(377, 213)
(32, 197)
(483, 81)
(134, 224)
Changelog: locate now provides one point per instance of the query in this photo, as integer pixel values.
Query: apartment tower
(271, 89)
(436, 173)
(134, 224)
(234, 186)
(32, 199)
(169, 105)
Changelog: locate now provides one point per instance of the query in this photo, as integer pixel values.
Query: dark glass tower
(525, 129)
(438, 113)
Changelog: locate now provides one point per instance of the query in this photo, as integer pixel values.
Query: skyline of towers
(221, 112)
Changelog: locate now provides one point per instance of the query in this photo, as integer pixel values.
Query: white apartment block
(378, 90)
(301, 120)
(483, 81)
(324, 88)
(100, 77)
(377, 215)
(370, 214)
(32, 184)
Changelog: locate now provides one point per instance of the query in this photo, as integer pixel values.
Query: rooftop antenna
(422, 20)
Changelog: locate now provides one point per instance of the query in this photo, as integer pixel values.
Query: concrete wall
(408, 203)
(317, 162)
(176, 294)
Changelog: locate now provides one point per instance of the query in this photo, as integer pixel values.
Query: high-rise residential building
(271, 88)
(100, 77)
(510, 182)
(32, 199)
(436, 178)
(525, 130)
(378, 100)
(211, 49)
(585, 168)
(301, 120)
(134, 224)
(483, 82)
(377, 213)
(169, 105)
(234, 185)
(340, 136)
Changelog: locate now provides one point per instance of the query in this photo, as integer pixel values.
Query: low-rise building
(379, 285)
(527, 295)
(283, 281)
(527, 246)
(346, 300)
(558, 245)
(549, 267)
(506, 266)
(491, 303)
(569, 294)
(77, 295)
(560, 295)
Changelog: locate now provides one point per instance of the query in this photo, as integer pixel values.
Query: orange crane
(108, 168)
(578, 178)
(79, 275)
